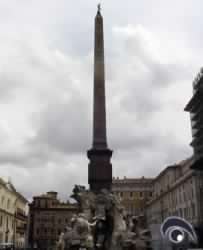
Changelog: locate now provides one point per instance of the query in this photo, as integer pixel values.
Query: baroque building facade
(134, 193)
(13, 215)
(175, 193)
(48, 217)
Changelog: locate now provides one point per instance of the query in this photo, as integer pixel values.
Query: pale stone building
(175, 192)
(134, 193)
(13, 217)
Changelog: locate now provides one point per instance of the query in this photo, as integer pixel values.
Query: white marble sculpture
(101, 224)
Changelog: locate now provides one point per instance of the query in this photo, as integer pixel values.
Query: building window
(131, 194)
(1, 220)
(193, 210)
(192, 193)
(8, 204)
(2, 200)
(185, 213)
(121, 194)
(141, 194)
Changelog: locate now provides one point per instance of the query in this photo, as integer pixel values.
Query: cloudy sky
(153, 51)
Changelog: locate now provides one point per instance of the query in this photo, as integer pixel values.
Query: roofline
(170, 167)
(175, 166)
(131, 180)
(19, 195)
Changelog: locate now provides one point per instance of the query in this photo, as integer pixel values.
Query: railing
(20, 214)
(21, 228)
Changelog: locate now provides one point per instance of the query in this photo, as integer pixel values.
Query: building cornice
(52, 209)
(6, 212)
(125, 180)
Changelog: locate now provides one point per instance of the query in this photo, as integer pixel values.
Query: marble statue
(101, 224)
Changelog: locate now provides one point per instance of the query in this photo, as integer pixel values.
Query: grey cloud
(143, 72)
(141, 102)
(7, 86)
(130, 137)
(162, 152)
(28, 157)
(64, 126)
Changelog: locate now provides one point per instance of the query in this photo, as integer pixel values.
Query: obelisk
(100, 168)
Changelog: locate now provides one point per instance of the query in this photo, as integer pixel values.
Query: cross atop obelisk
(100, 168)
(99, 7)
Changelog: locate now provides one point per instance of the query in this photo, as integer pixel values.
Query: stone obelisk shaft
(99, 120)
(99, 168)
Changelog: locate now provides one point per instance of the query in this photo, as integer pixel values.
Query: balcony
(21, 229)
(20, 214)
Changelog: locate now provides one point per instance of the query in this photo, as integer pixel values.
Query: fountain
(101, 224)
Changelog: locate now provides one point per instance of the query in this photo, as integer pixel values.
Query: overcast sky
(153, 51)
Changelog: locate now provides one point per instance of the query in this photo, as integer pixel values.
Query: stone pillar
(100, 168)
